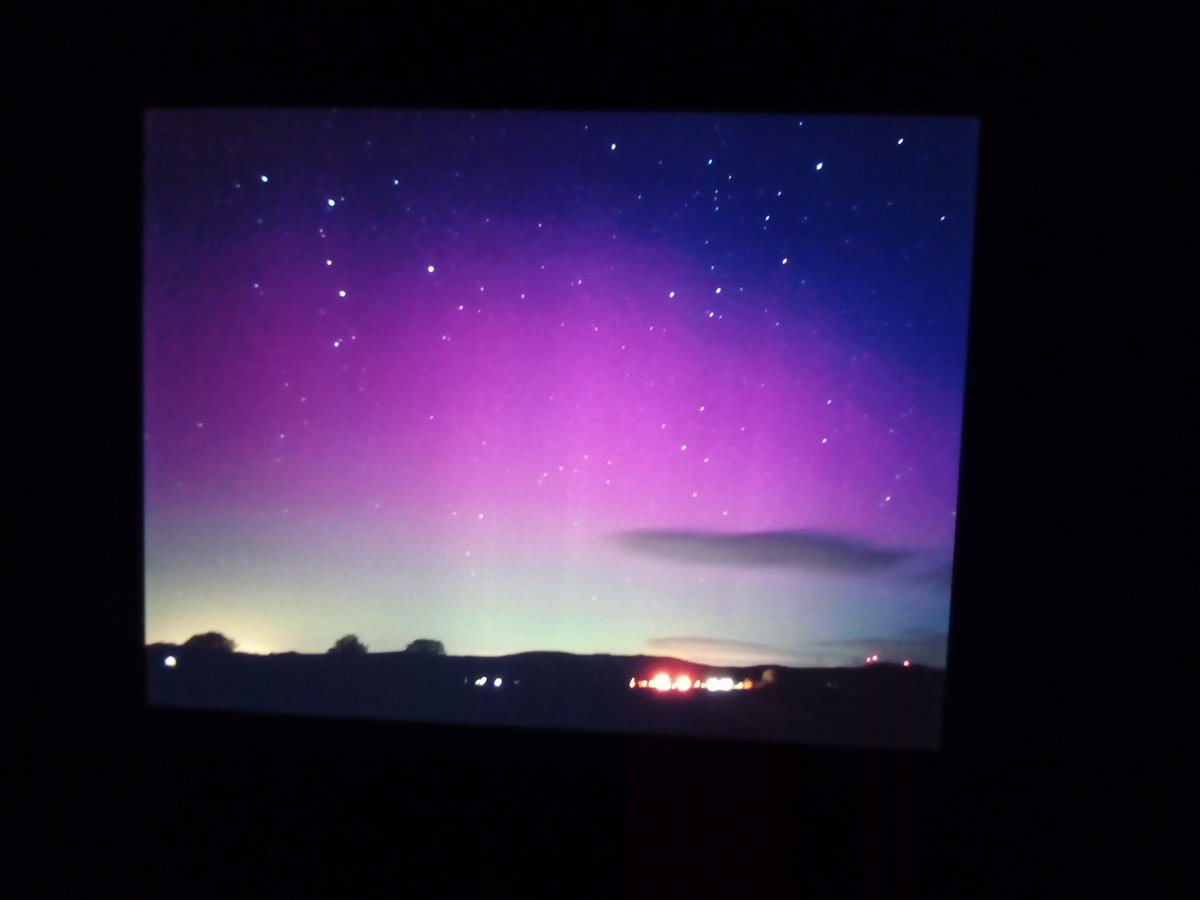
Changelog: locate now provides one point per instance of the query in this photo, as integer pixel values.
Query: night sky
(594, 382)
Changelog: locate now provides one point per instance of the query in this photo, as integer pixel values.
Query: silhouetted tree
(349, 645)
(209, 642)
(422, 645)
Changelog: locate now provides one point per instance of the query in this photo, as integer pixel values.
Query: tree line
(347, 645)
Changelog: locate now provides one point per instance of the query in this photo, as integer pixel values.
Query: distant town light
(169, 662)
(661, 682)
(481, 681)
(498, 682)
(683, 683)
(906, 664)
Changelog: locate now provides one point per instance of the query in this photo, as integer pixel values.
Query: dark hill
(879, 705)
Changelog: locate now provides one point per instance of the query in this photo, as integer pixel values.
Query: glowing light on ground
(481, 681)
(661, 682)
(907, 664)
(169, 662)
(498, 682)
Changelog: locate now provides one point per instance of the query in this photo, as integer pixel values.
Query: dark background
(1063, 762)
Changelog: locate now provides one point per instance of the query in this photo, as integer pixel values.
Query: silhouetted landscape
(878, 705)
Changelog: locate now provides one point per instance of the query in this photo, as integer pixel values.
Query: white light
(672, 294)
(429, 269)
(481, 681)
(907, 664)
(329, 262)
(498, 682)
(612, 146)
(264, 178)
(331, 202)
(784, 261)
(820, 166)
(169, 662)
(341, 293)
(899, 142)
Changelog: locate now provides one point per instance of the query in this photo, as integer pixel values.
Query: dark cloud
(810, 550)
(717, 652)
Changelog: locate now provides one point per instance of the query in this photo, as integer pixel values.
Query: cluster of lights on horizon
(664, 682)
